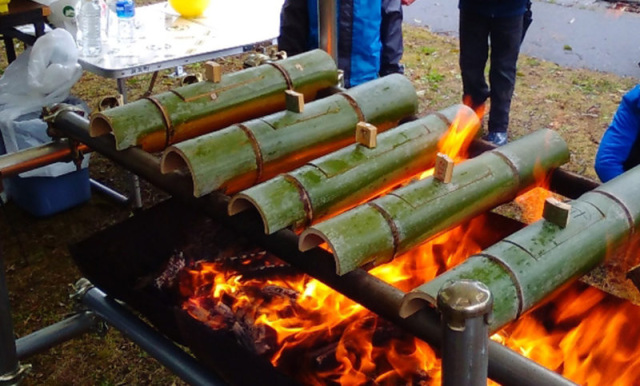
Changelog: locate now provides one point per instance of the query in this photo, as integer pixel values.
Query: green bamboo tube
(243, 155)
(526, 267)
(203, 107)
(376, 232)
(350, 176)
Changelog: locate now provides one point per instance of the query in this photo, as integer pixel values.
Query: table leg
(9, 48)
(39, 28)
(122, 88)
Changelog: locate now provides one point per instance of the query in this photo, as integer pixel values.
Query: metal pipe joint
(465, 307)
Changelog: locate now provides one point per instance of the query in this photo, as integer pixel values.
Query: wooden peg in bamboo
(367, 134)
(213, 72)
(294, 101)
(556, 211)
(443, 168)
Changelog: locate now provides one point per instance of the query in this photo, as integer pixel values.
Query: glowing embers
(317, 336)
(305, 329)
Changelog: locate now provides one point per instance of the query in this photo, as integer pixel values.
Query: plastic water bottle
(89, 21)
(111, 29)
(125, 9)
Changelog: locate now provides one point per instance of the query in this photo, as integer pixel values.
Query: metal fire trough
(101, 261)
(504, 365)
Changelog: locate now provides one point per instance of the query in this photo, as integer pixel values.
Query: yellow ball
(189, 8)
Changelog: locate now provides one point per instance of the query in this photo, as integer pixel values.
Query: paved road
(572, 33)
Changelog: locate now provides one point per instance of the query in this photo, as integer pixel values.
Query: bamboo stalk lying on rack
(243, 155)
(376, 232)
(526, 267)
(186, 112)
(349, 176)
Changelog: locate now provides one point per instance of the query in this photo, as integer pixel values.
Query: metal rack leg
(159, 347)
(133, 179)
(11, 371)
(465, 307)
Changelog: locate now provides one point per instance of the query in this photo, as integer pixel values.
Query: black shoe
(496, 137)
(391, 69)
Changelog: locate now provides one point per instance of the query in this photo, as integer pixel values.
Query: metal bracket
(50, 113)
(76, 154)
(80, 289)
(16, 377)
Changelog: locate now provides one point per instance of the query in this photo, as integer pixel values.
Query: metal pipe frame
(328, 27)
(505, 365)
(107, 191)
(8, 357)
(32, 158)
(162, 349)
(55, 334)
(11, 371)
(58, 151)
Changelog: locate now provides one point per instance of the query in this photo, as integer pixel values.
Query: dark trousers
(505, 35)
(294, 27)
(391, 38)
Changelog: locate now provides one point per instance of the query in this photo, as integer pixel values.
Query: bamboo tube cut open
(351, 175)
(242, 155)
(527, 267)
(376, 232)
(157, 121)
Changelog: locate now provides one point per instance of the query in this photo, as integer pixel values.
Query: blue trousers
(503, 35)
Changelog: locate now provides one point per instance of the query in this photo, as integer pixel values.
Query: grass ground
(579, 104)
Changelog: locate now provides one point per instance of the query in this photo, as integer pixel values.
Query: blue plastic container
(45, 196)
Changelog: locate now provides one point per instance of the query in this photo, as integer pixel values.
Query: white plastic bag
(42, 75)
(63, 14)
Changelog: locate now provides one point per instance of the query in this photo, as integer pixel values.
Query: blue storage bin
(44, 196)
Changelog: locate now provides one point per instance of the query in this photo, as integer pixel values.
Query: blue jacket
(358, 38)
(494, 8)
(619, 148)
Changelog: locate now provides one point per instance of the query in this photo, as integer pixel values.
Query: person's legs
(294, 27)
(474, 47)
(527, 19)
(506, 34)
(391, 38)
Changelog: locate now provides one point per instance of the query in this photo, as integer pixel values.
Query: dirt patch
(579, 104)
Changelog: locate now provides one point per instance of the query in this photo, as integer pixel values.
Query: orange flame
(455, 142)
(583, 334)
